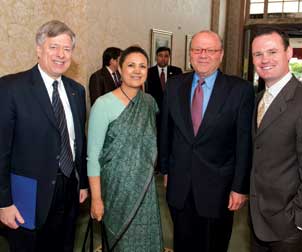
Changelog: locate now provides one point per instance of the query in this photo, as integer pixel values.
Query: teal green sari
(127, 159)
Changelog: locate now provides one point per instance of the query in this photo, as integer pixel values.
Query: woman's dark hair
(132, 49)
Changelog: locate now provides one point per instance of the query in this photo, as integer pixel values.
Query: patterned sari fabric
(127, 162)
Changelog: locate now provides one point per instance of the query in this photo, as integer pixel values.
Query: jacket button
(257, 147)
(53, 182)
(57, 157)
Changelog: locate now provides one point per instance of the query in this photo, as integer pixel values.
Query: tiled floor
(239, 241)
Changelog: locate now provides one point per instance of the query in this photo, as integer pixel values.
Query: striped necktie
(66, 160)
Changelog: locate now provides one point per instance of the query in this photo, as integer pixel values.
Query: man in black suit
(42, 137)
(205, 148)
(160, 73)
(157, 79)
(107, 78)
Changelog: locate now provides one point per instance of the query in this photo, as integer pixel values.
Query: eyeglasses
(269, 53)
(208, 51)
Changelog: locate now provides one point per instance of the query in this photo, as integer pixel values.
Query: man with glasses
(205, 148)
(276, 178)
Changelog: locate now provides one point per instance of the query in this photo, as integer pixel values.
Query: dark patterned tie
(196, 109)
(162, 79)
(66, 162)
(116, 80)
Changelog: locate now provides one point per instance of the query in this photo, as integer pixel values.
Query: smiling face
(134, 70)
(270, 58)
(206, 53)
(54, 55)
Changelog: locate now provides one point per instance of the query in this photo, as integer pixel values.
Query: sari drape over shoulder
(127, 164)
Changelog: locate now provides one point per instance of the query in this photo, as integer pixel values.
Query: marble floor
(239, 241)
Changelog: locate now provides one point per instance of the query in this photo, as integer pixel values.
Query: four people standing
(276, 179)
(205, 148)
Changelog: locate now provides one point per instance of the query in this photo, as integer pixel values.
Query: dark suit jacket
(276, 179)
(153, 82)
(29, 138)
(100, 83)
(218, 159)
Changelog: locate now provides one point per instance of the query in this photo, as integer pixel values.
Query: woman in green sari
(121, 157)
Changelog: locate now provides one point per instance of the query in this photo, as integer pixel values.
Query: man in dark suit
(156, 82)
(42, 137)
(276, 178)
(158, 74)
(107, 78)
(205, 149)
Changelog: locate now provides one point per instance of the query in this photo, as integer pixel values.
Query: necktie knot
(55, 85)
(201, 81)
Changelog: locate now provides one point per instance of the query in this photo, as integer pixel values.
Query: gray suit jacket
(276, 179)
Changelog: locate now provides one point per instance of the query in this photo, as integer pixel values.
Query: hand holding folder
(24, 194)
(11, 217)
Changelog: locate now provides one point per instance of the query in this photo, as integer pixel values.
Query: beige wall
(98, 24)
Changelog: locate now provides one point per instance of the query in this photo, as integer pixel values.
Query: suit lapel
(254, 121)
(185, 105)
(40, 93)
(156, 73)
(278, 106)
(219, 94)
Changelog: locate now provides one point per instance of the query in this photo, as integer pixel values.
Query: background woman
(121, 156)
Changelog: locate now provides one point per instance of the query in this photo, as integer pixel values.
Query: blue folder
(24, 193)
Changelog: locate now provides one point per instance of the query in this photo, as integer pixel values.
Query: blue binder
(24, 194)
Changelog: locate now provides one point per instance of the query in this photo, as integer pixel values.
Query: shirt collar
(275, 89)
(160, 68)
(109, 69)
(48, 81)
(209, 80)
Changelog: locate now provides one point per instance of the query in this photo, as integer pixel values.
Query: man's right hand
(9, 216)
(165, 180)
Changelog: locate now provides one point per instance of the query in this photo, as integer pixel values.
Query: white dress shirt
(48, 81)
(165, 71)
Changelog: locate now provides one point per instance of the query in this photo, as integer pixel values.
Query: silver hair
(54, 28)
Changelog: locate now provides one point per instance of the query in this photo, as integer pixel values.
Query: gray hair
(54, 28)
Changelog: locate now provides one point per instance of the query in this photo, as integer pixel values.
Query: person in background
(121, 156)
(160, 73)
(156, 82)
(108, 77)
(42, 138)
